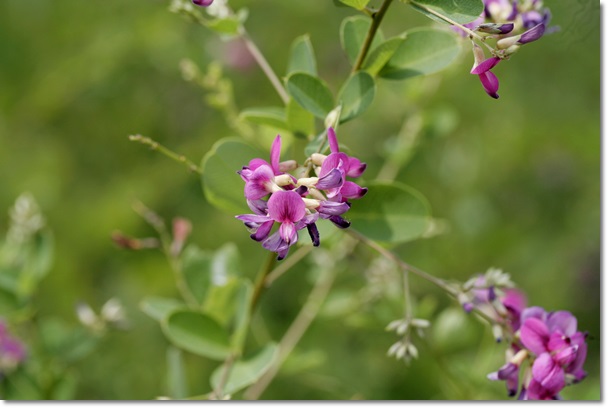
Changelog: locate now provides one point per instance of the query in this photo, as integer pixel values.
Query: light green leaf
(353, 31)
(196, 266)
(247, 371)
(177, 383)
(270, 116)
(242, 314)
(381, 55)
(221, 301)
(222, 185)
(302, 56)
(197, 333)
(311, 93)
(356, 95)
(460, 11)
(390, 213)
(300, 121)
(358, 4)
(228, 25)
(159, 307)
(424, 51)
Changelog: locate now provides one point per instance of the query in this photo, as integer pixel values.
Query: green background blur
(517, 179)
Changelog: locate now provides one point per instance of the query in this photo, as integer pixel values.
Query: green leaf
(270, 116)
(196, 266)
(300, 121)
(356, 95)
(424, 51)
(177, 383)
(222, 185)
(159, 307)
(229, 25)
(242, 314)
(358, 4)
(247, 371)
(302, 56)
(390, 213)
(460, 11)
(221, 301)
(197, 333)
(353, 31)
(381, 55)
(311, 93)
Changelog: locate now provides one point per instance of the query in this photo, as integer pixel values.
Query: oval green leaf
(197, 333)
(221, 184)
(460, 11)
(300, 121)
(269, 116)
(424, 52)
(353, 31)
(381, 55)
(159, 307)
(390, 213)
(302, 56)
(247, 371)
(356, 95)
(311, 93)
(357, 4)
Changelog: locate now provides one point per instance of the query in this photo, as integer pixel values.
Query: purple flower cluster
(548, 341)
(298, 203)
(12, 351)
(512, 23)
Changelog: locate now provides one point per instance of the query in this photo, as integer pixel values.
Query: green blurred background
(517, 181)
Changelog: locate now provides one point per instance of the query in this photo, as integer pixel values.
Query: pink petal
(288, 232)
(490, 83)
(352, 190)
(548, 374)
(355, 167)
(333, 161)
(257, 186)
(562, 321)
(485, 66)
(534, 335)
(275, 154)
(286, 206)
(333, 140)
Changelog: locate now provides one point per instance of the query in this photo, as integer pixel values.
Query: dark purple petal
(531, 18)
(468, 307)
(333, 179)
(485, 66)
(532, 34)
(534, 335)
(333, 208)
(352, 190)
(339, 221)
(493, 28)
(302, 191)
(333, 141)
(355, 167)
(202, 3)
(253, 218)
(275, 243)
(262, 232)
(259, 207)
(313, 231)
(286, 206)
(490, 84)
(550, 376)
(510, 373)
(561, 321)
(275, 154)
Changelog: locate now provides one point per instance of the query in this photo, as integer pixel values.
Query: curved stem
(154, 145)
(371, 33)
(264, 65)
(261, 279)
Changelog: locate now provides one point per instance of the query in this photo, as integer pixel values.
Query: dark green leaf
(352, 36)
(311, 93)
(356, 95)
(424, 51)
(197, 333)
(222, 185)
(270, 116)
(381, 55)
(302, 56)
(460, 11)
(390, 213)
(247, 371)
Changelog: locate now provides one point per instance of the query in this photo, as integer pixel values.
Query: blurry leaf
(390, 213)
(358, 4)
(223, 187)
(356, 95)
(311, 93)
(380, 55)
(242, 314)
(270, 116)
(64, 388)
(453, 329)
(340, 303)
(424, 51)
(226, 264)
(313, 146)
(158, 307)
(247, 371)
(221, 301)
(460, 11)
(301, 361)
(177, 383)
(229, 25)
(64, 341)
(353, 31)
(196, 268)
(300, 121)
(302, 56)
(197, 333)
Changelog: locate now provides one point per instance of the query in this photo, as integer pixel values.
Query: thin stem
(471, 33)
(264, 65)
(371, 33)
(218, 392)
(407, 295)
(154, 145)
(287, 264)
(261, 279)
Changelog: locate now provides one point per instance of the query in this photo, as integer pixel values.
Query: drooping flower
(202, 3)
(482, 68)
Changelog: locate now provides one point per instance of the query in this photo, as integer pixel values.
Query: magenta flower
(12, 351)
(489, 81)
(202, 3)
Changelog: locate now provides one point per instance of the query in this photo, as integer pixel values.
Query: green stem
(154, 145)
(261, 279)
(264, 65)
(371, 33)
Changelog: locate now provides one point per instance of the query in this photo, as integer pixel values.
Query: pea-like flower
(202, 3)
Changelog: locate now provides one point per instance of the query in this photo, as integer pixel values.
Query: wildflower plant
(306, 182)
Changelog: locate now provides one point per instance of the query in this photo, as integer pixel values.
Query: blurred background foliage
(516, 180)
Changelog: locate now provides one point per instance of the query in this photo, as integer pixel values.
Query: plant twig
(371, 33)
(261, 279)
(154, 145)
(287, 264)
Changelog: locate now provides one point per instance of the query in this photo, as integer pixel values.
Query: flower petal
(535, 335)
(286, 206)
(252, 218)
(355, 167)
(262, 232)
(339, 221)
(259, 207)
(313, 231)
(288, 232)
(562, 321)
(534, 311)
(275, 154)
(532, 34)
(352, 190)
(550, 376)
(333, 179)
(333, 208)
(485, 66)
(490, 84)
(333, 140)
(259, 182)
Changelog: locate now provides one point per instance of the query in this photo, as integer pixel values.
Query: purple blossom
(12, 351)
(202, 3)
(482, 68)
(259, 175)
